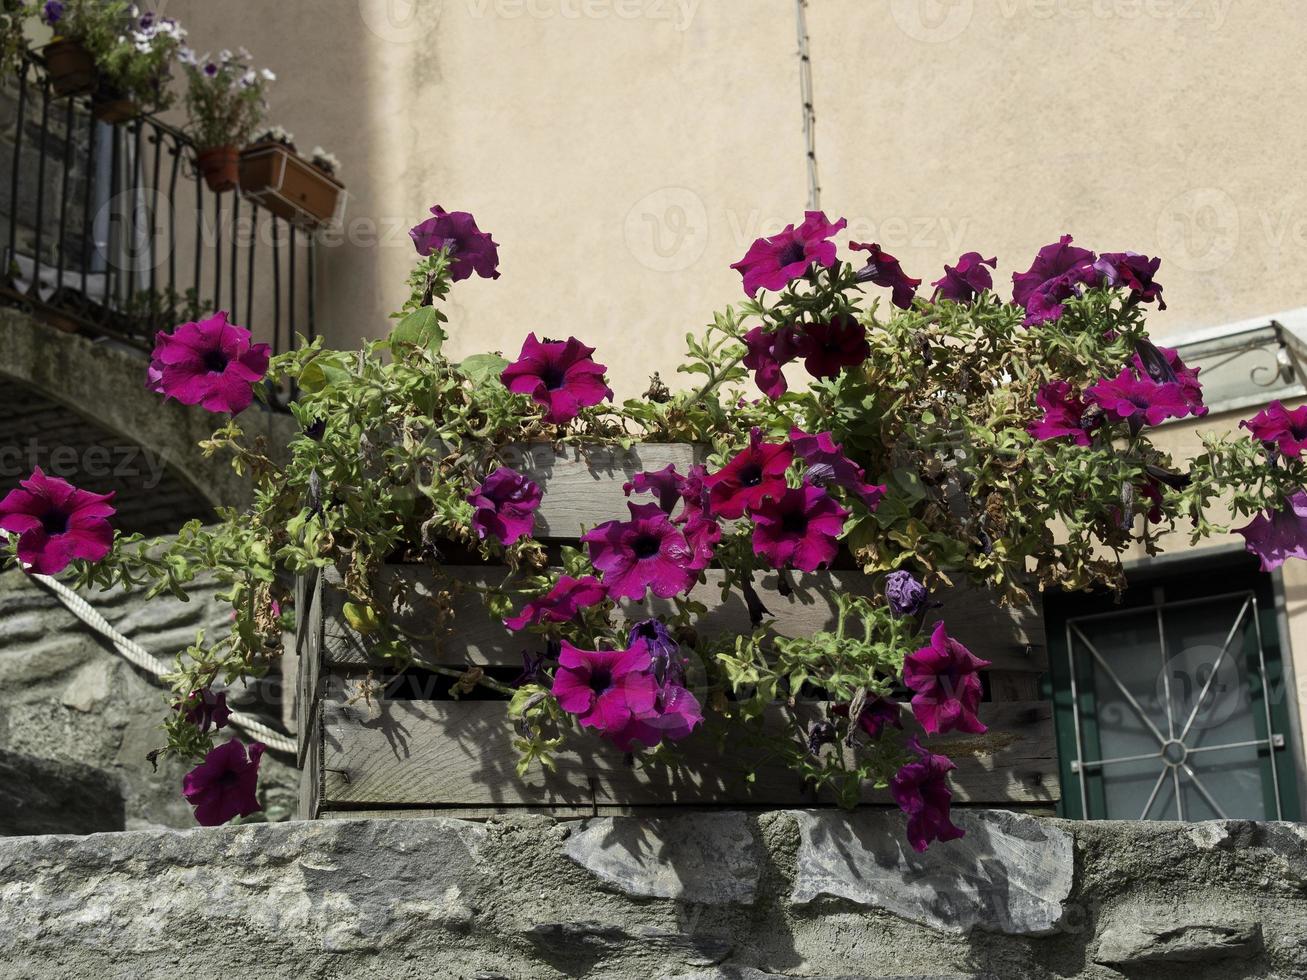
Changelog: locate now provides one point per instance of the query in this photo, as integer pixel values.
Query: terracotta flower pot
(288, 185)
(70, 67)
(109, 107)
(220, 167)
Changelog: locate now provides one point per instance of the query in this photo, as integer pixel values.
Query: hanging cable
(809, 112)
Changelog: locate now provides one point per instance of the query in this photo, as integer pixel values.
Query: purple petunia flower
(798, 528)
(1133, 271)
(1058, 272)
(561, 603)
(646, 552)
(1163, 364)
(878, 714)
(204, 709)
(921, 790)
(209, 363)
(963, 282)
(1284, 428)
(1065, 415)
(211, 70)
(883, 269)
(689, 491)
(904, 595)
(563, 377)
(1279, 535)
(1128, 397)
(664, 651)
(225, 783)
(767, 353)
(946, 684)
(56, 522)
(828, 347)
(742, 483)
(674, 715)
(605, 689)
(504, 506)
(52, 12)
(773, 263)
(664, 484)
(470, 249)
(826, 463)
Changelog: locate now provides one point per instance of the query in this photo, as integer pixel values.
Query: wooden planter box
(423, 755)
(289, 186)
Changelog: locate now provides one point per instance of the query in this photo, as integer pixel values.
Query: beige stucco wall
(625, 152)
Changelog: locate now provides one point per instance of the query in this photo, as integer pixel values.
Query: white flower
(224, 55)
(268, 76)
(248, 79)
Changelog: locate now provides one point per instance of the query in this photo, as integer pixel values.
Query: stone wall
(705, 896)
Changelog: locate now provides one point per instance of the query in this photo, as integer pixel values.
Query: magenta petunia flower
(1065, 415)
(963, 282)
(563, 377)
(904, 594)
(767, 354)
(1128, 397)
(646, 552)
(204, 709)
(225, 783)
(504, 506)
(674, 715)
(470, 249)
(883, 269)
(832, 345)
(798, 528)
(1277, 536)
(877, 715)
(605, 689)
(665, 485)
(921, 790)
(561, 603)
(1163, 365)
(56, 522)
(826, 464)
(1133, 271)
(210, 363)
(946, 684)
(773, 263)
(1284, 428)
(742, 483)
(1058, 272)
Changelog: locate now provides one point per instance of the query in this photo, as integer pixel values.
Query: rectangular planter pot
(289, 186)
(418, 754)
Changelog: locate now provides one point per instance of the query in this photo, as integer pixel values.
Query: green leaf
(480, 368)
(421, 328)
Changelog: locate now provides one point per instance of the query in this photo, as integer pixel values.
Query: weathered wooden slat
(310, 788)
(583, 486)
(447, 753)
(309, 624)
(1011, 638)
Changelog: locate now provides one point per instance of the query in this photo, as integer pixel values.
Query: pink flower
(605, 689)
(962, 282)
(769, 352)
(1279, 535)
(751, 475)
(1163, 364)
(664, 484)
(1133, 271)
(563, 377)
(674, 715)
(562, 602)
(826, 463)
(921, 790)
(210, 363)
(55, 522)
(646, 552)
(773, 263)
(1128, 397)
(204, 709)
(1285, 428)
(689, 491)
(798, 528)
(1058, 272)
(877, 714)
(883, 269)
(505, 506)
(830, 346)
(946, 684)
(470, 249)
(224, 784)
(1064, 415)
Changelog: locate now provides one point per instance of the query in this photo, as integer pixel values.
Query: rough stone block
(42, 796)
(1132, 942)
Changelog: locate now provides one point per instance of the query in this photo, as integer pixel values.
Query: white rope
(136, 654)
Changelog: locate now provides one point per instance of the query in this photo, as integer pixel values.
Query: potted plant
(225, 102)
(13, 37)
(305, 192)
(67, 58)
(959, 438)
(135, 66)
